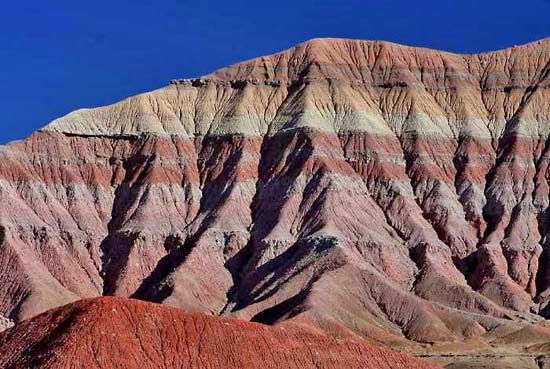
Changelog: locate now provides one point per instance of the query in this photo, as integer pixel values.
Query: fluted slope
(400, 193)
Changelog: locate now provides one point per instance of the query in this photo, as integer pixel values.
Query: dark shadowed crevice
(116, 246)
(154, 287)
(271, 153)
(542, 279)
(286, 309)
(493, 210)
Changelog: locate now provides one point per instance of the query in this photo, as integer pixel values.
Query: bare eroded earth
(364, 188)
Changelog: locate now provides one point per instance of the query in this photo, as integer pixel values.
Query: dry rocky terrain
(109, 333)
(363, 188)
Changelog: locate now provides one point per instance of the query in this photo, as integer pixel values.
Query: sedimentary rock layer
(397, 192)
(110, 332)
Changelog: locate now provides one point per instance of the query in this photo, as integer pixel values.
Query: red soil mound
(120, 333)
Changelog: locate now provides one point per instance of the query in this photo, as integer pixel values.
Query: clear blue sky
(61, 55)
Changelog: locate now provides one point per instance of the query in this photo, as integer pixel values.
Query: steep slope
(397, 192)
(112, 332)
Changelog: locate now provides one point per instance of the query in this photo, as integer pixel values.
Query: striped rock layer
(366, 188)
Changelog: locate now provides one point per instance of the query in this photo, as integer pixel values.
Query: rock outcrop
(109, 332)
(364, 188)
(5, 323)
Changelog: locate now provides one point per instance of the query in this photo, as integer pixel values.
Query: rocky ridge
(366, 188)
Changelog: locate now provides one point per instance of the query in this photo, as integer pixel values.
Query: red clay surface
(120, 333)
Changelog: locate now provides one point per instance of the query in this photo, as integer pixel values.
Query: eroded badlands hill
(399, 193)
(108, 333)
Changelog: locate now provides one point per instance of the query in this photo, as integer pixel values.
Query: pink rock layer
(364, 188)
